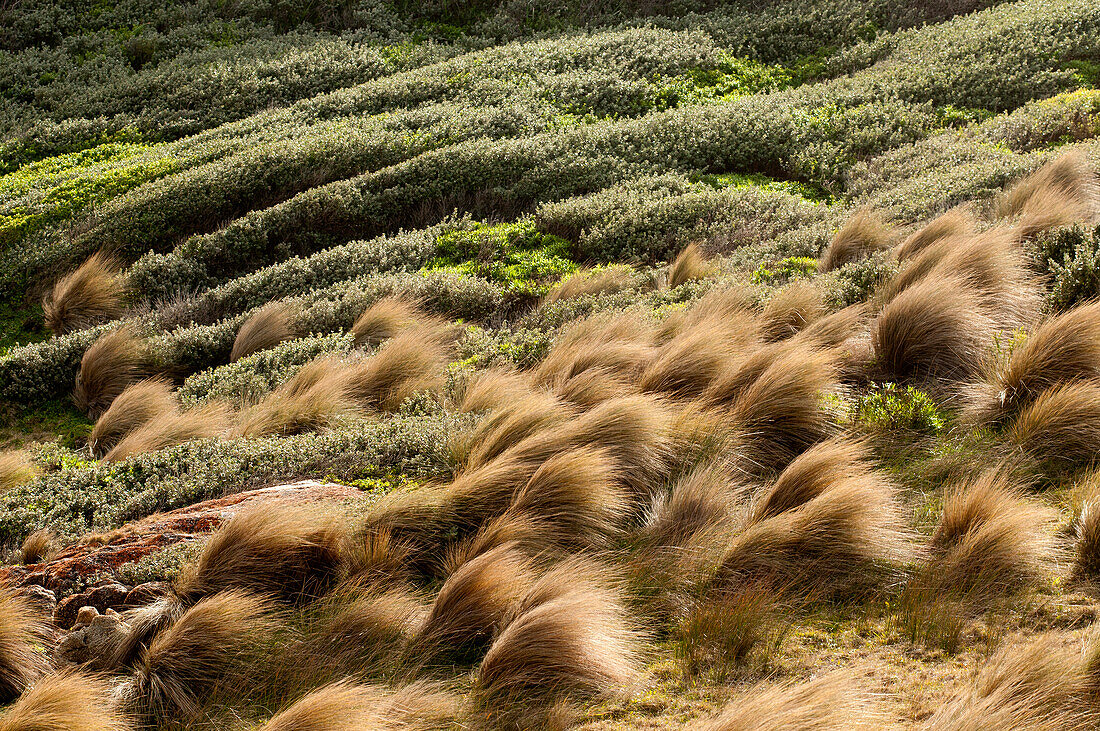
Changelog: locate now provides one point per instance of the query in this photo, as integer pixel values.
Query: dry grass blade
(265, 328)
(316, 397)
(69, 701)
(208, 652)
(138, 405)
(688, 265)
(690, 362)
(1061, 427)
(38, 546)
(790, 310)
(409, 362)
(861, 236)
(344, 706)
(591, 281)
(524, 415)
(282, 550)
(170, 429)
(812, 473)
(830, 331)
(957, 223)
(1086, 558)
(16, 468)
(833, 702)
(21, 633)
(493, 389)
(361, 634)
(91, 295)
(595, 386)
(386, 318)
(113, 362)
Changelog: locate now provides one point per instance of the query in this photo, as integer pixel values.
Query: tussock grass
(267, 327)
(37, 547)
(524, 415)
(135, 407)
(347, 706)
(1060, 429)
(616, 343)
(316, 397)
(934, 329)
(689, 363)
(717, 636)
(812, 473)
(113, 362)
(595, 386)
(385, 319)
(21, 634)
(589, 281)
(207, 653)
(1066, 181)
(91, 295)
(492, 389)
(16, 468)
(170, 429)
(731, 305)
(1044, 685)
(1062, 349)
(282, 550)
(957, 223)
(701, 502)
(71, 701)
(1086, 547)
(861, 236)
(402, 531)
(832, 330)
(829, 703)
(790, 310)
(690, 264)
(142, 625)
(409, 362)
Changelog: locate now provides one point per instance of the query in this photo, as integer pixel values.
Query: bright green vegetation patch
(18, 154)
(732, 78)
(1086, 71)
(793, 267)
(758, 180)
(518, 256)
(53, 189)
(54, 420)
(20, 325)
(891, 408)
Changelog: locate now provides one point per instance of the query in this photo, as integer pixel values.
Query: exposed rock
(146, 593)
(103, 554)
(93, 638)
(42, 598)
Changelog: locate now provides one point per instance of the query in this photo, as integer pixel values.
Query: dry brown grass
(701, 502)
(957, 223)
(316, 397)
(472, 605)
(718, 634)
(620, 344)
(730, 305)
(861, 236)
(512, 423)
(1061, 427)
(361, 635)
(1042, 686)
(934, 329)
(409, 362)
(493, 389)
(142, 625)
(790, 310)
(282, 550)
(38, 546)
(595, 386)
(385, 319)
(1086, 553)
(690, 264)
(265, 328)
(170, 429)
(71, 701)
(136, 406)
(833, 702)
(207, 653)
(588, 281)
(1062, 349)
(686, 365)
(113, 362)
(832, 330)
(21, 632)
(91, 295)
(346, 706)
(812, 473)
(16, 468)
(1067, 178)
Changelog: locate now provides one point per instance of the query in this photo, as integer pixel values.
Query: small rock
(93, 643)
(42, 598)
(65, 614)
(146, 593)
(86, 616)
(108, 595)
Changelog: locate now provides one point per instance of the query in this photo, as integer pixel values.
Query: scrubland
(721, 366)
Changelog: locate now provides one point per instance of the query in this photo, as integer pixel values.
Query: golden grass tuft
(493, 389)
(829, 703)
(934, 329)
(347, 706)
(282, 550)
(1061, 427)
(591, 281)
(832, 330)
(207, 653)
(526, 414)
(363, 633)
(409, 362)
(690, 264)
(314, 398)
(170, 429)
(265, 328)
(957, 223)
(812, 473)
(70, 701)
(790, 310)
(91, 295)
(386, 318)
(38, 546)
(113, 362)
(21, 634)
(717, 635)
(688, 364)
(16, 468)
(1067, 179)
(861, 236)
(137, 406)
(1086, 547)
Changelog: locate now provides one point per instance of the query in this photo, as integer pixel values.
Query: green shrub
(893, 408)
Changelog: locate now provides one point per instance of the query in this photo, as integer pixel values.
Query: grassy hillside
(710, 365)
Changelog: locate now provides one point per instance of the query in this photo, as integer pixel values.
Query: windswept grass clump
(386, 318)
(267, 327)
(91, 295)
(16, 468)
(1062, 191)
(22, 633)
(347, 706)
(1086, 547)
(590, 282)
(862, 235)
(688, 265)
(792, 309)
(112, 363)
(317, 396)
(170, 429)
(411, 361)
(37, 546)
(955, 224)
(71, 701)
(138, 405)
(1060, 429)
